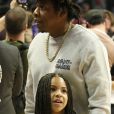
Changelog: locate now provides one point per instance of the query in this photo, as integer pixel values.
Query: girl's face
(59, 95)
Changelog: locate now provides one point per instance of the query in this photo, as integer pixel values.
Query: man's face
(47, 17)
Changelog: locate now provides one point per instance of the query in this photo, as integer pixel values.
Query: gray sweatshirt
(82, 59)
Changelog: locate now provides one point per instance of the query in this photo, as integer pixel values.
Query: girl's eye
(52, 89)
(64, 91)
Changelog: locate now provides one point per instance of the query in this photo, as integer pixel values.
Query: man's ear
(26, 26)
(63, 13)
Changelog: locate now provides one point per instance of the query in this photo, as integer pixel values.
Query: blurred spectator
(97, 23)
(11, 77)
(109, 20)
(16, 28)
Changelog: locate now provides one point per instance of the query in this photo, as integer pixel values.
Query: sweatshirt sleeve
(97, 76)
(29, 108)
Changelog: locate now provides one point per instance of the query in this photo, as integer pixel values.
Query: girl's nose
(58, 93)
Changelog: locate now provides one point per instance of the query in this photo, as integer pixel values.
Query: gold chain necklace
(47, 45)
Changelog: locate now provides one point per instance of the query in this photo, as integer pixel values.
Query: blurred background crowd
(30, 5)
(85, 4)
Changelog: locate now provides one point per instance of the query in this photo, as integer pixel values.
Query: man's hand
(13, 4)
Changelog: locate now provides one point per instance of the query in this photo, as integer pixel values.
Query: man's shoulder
(7, 47)
(40, 35)
(8, 52)
(39, 38)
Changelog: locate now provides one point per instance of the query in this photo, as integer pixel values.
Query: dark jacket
(23, 49)
(19, 102)
(12, 77)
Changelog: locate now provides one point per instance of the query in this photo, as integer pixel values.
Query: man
(11, 77)
(16, 28)
(73, 51)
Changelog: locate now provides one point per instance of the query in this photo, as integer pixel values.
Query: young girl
(54, 95)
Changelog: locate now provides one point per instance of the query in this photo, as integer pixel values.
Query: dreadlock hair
(64, 5)
(43, 97)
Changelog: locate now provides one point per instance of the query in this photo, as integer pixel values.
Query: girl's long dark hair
(43, 98)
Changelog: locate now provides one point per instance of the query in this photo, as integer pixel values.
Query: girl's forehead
(58, 80)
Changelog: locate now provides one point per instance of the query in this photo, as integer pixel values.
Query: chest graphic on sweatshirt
(63, 64)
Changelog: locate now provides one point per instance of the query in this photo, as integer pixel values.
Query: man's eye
(41, 6)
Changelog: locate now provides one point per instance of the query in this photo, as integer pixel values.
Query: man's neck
(101, 27)
(60, 31)
(19, 37)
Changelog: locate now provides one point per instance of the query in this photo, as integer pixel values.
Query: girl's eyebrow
(56, 86)
(53, 85)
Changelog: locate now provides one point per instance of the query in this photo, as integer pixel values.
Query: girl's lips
(57, 101)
